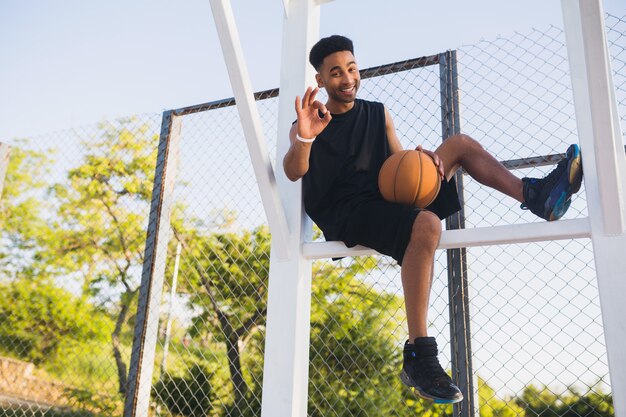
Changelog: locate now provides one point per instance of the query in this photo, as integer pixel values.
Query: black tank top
(343, 166)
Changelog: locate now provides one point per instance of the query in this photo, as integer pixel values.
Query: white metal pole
(596, 108)
(605, 173)
(168, 325)
(251, 123)
(285, 375)
(465, 238)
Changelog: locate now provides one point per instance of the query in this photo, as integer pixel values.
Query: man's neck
(336, 107)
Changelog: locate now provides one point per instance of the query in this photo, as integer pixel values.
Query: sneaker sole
(417, 390)
(575, 176)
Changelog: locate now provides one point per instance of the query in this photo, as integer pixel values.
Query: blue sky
(68, 63)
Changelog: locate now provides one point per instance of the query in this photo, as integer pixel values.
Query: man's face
(339, 75)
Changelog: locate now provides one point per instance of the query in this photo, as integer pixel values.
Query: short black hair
(327, 46)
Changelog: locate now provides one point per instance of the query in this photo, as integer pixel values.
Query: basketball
(409, 177)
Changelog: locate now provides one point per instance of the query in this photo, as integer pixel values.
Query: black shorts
(386, 227)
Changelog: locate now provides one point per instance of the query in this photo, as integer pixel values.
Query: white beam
(596, 110)
(479, 236)
(286, 365)
(251, 123)
(605, 172)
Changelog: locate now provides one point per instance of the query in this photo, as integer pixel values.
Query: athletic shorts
(386, 227)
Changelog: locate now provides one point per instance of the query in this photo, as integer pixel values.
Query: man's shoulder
(371, 107)
(370, 102)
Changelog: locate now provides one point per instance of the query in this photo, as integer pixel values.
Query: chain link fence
(75, 209)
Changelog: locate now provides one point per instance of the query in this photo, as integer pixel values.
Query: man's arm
(296, 161)
(392, 137)
(313, 117)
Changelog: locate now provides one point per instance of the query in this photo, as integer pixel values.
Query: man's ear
(320, 82)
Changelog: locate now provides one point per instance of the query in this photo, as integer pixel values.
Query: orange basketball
(409, 177)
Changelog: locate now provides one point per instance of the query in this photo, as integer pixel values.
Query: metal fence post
(460, 337)
(146, 327)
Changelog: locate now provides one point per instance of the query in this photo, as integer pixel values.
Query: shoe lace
(555, 172)
(431, 367)
(548, 179)
(438, 375)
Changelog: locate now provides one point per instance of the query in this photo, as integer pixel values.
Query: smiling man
(338, 148)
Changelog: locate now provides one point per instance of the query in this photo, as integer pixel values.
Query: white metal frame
(286, 364)
(604, 162)
(251, 123)
(285, 380)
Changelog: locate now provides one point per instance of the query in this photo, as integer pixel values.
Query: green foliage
(36, 317)
(545, 403)
(492, 406)
(101, 220)
(251, 407)
(93, 402)
(88, 364)
(189, 396)
(353, 355)
(355, 361)
(235, 266)
(227, 274)
(22, 208)
(88, 228)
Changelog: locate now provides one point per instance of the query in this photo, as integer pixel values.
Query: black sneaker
(550, 197)
(422, 373)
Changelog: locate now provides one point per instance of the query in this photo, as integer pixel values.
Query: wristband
(301, 139)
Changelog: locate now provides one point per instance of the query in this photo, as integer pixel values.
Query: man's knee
(426, 228)
(464, 141)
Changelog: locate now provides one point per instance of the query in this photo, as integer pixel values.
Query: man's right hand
(310, 124)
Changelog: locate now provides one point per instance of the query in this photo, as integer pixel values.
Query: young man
(338, 148)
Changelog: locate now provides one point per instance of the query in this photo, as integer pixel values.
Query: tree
(355, 357)
(36, 317)
(228, 274)
(572, 403)
(492, 406)
(189, 396)
(100, 225)
(22, 208)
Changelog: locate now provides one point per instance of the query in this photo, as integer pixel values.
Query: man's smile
(347, 90)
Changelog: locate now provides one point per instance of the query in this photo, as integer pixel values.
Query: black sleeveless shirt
(343, 166)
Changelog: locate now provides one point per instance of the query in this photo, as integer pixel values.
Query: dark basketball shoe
(422, 373)
(550, 197)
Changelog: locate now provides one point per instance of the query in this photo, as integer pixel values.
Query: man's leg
(548, 197)
(421, 369)
(463, 151)
(417, 270)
